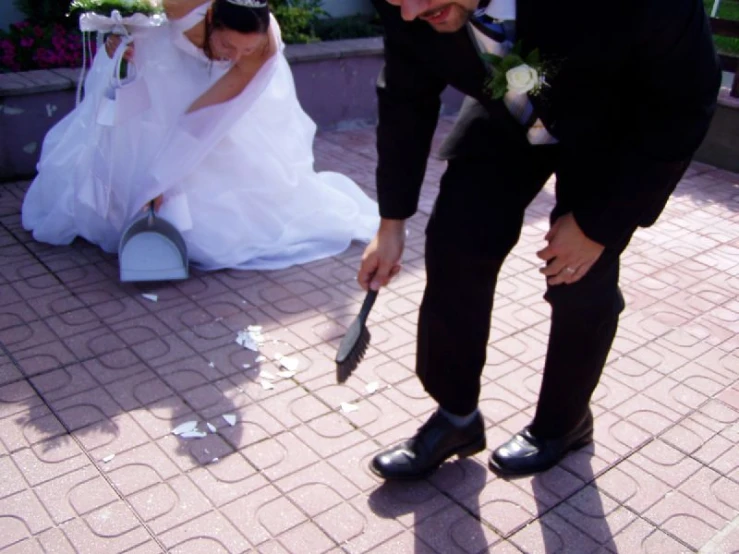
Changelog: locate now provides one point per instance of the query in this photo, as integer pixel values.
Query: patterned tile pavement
(94, 377)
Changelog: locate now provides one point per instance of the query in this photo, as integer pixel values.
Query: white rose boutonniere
(516, 73)
(522, 79)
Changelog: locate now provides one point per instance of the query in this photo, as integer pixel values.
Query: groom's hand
(381, 258)
(570, 254)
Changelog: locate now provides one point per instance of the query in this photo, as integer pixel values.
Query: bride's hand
(156, 203)
(111, 45)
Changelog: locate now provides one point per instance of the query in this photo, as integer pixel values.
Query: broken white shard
(186, 427)
(230, 419)
(266, 385)
(193, 435)
(108, 458)
(246, 366)
(286, 374)
(243, 338)
(290, 364)
(149, 296)
(347, 407)
(254, 328)
(211, 364)
(260, 359)
(212, 427)
(372, 387)
(267, 375)
(214, 461)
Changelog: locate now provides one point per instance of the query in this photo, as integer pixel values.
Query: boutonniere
(517, 73)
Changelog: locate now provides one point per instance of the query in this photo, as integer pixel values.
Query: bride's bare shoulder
(177, 9)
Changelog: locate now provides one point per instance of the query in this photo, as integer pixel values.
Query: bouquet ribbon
(114, 23)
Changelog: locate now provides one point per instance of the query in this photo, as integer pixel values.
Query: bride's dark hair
(236, 17)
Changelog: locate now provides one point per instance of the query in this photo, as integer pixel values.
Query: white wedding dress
(237, 178)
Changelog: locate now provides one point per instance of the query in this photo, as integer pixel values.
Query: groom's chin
(455, 20)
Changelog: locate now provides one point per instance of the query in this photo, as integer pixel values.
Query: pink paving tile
(163, 350)
(730, 396)
(595, 514)
(281, 456)
(633, 487)
(54, 541)
(405, 502)
(717, 415)
(455, 530)
(714, 491)
(168, 504)
(501, 506)
(9, 373)
(228, 479)
(665, 462)
(642, 536)
(33, 426)
(94, 406)
(119, 434)
(60, 383)
(42, 358)
(139, 390)
(114, 366)
(685, 519)
(210, 533)
(551, 533)
(138, 469)
(652, 416)
(159, 418)
(25, 509)
(17, 397)
(689, 436)
(332, 433)
(307, 537)
(244, 513)
(49, 459)
(75, 494)
(407, 541)
(112, 529)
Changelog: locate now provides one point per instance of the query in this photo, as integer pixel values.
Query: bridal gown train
(237, 178)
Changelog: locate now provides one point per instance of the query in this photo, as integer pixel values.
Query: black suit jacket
(630, 102)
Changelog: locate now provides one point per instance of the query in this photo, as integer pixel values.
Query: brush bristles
(346, 367)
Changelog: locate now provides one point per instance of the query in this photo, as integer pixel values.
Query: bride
(211, 130)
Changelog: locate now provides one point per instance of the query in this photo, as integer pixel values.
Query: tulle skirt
(237, 178)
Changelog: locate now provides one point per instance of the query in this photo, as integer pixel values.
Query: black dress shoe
(436, 440)
(525, 454)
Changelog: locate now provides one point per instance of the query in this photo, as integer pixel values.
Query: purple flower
(27, 42)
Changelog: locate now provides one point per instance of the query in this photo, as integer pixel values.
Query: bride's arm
(236, 79)
(177, 9)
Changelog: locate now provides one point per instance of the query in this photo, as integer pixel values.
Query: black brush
(354, 344)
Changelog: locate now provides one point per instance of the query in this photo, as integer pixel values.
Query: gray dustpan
(152, 249)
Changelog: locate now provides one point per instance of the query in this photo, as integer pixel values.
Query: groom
(626, 99)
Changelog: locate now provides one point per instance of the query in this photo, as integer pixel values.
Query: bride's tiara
(249, 3)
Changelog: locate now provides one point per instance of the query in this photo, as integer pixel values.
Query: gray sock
(457, 420)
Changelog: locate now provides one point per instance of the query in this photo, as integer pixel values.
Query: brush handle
(369, 301)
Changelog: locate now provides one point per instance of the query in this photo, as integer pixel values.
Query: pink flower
(27, 42)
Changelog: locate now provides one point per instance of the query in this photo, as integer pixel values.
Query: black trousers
(476, 221)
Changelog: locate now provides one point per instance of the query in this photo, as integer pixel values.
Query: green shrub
(297, 19)
(44, 11)
(353, 26)
(728, 9)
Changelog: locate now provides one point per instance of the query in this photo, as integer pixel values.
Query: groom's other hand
(381, 258)
(570, 254)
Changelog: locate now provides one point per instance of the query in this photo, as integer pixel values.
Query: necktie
(497, 37)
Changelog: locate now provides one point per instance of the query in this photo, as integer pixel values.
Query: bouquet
(118, 17)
